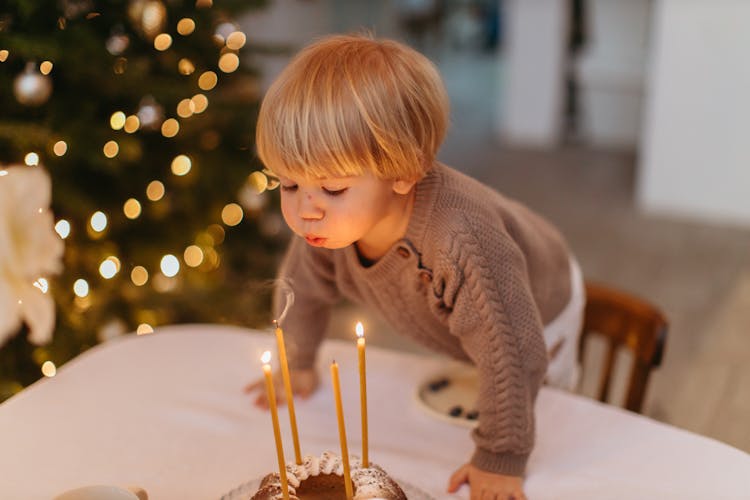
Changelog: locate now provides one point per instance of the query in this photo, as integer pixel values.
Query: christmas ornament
(149, 17)
(32, 88)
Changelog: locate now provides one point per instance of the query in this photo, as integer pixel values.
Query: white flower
(29, 250)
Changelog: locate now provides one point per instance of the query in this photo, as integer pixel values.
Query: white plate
(455, 388)
(246, 490)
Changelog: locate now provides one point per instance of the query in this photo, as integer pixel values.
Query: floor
(698, 273)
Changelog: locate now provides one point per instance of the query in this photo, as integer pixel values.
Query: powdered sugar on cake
(371, 483)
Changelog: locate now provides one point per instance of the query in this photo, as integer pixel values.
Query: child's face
(336, 212)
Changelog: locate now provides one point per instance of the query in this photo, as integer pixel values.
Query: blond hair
(349, 104)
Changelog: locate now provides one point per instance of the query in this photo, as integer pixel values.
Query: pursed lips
(314, 240)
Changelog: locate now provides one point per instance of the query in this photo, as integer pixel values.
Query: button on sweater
(476, 277)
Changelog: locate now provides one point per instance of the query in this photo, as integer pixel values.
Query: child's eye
(290, 188)
(334, 192)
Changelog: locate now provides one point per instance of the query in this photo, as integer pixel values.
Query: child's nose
(309, 208)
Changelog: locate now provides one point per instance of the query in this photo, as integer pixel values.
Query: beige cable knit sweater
(476, 277)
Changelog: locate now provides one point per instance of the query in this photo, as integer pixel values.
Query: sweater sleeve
(491, 310)
(309, 273)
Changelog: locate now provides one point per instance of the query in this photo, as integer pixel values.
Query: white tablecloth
(166, 412)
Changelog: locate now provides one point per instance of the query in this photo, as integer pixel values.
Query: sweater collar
(413, 240)
(424, 202)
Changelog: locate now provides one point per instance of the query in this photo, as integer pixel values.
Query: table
(166, 412)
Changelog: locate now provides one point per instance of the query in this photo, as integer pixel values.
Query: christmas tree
(143, 113)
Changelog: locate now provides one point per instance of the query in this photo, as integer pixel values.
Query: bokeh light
(232, 214)
(207, 80)
(117, 120)
(139, 276)
(193, 256)
(169, 265)
(170, 127)
(63, 228)
(229, 62)
(60, 148)
(110, 149)
(162, 41)
(181, 165)
(98, 221)
(81, 287)
(132, 208)
(31, 159)
(155, 190)
(185, 26)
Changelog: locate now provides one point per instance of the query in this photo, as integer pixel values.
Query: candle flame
(266, 357)
(360, 330)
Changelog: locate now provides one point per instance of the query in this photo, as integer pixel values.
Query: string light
(139, 275)
(229, 62)
(169, 265)
(31, 159)
(144, 329)
(185, 66)
(181, 165)
(63, 228)
(200, 103)
(258, 181)
(132, 208)
(110, 149)
(132, 123)
(232, 214)
(98, 221)
(185, 108)
(42, 284)
(81, 287)
(109, 267)
(162, 42)
(207, 80)
(4, 55)
(185, 26)
(60, 148)
(193, 256)
(46, 67)
(49, 369)
(170, 127)
(155, 190)
(236, 40)
(117, 120)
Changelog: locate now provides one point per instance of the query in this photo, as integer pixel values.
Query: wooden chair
(625, 321)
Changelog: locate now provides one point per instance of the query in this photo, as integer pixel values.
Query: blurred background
(623, 122)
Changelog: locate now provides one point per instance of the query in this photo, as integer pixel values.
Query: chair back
(624, 321)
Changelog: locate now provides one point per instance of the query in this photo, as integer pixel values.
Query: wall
(695, 149)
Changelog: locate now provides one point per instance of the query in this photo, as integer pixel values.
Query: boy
(351, 129)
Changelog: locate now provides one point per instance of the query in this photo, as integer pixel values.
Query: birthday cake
(321, 478)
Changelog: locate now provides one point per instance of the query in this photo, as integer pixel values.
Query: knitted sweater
(476, 277)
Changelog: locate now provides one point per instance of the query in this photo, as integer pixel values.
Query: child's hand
(304, 383)
(485, 484)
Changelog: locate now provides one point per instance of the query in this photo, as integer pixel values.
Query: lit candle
(275, 419)
(342, 430)
(362, 389)
(288, 391)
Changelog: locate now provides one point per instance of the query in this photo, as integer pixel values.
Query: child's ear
(403, 186)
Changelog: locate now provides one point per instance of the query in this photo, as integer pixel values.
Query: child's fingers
(458, 478)
(252, 387)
